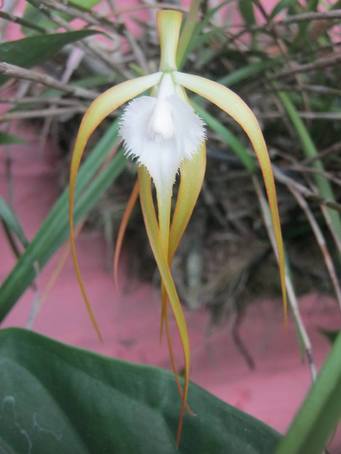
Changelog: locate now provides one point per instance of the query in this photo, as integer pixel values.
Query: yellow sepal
(168, 25)
(192, 174)
(233, 105)
(161, 258)
(98, 110)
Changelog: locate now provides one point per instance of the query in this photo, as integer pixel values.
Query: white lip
(160, 132)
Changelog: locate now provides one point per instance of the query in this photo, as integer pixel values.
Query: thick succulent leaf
(55, 398)
(321, 411)
(233, 105)
(37, 49)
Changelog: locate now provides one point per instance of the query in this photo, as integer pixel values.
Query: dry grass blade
(41, 113)
(292, 299)
(320, 241)
(17, 72)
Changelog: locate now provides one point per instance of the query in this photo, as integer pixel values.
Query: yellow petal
(161, 258)
(192, 175)
(98, 110)
(233, 105)
(192, 172)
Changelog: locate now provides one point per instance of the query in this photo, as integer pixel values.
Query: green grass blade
(193, 34)
(280, 6)
(33, 14)
(310, 151)
(246, 10)
(247, 71)
(10, 139)
(320, 412)
(187, 33)
(227, 137)
(8, 216)
(55, 228)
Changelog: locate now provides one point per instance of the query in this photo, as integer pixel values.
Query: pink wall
(130, 322)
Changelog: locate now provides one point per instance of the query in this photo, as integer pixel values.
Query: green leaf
(85, 4)
(8, 216)
(33, 14)
(312, 5)
(28, 52)
(36, 49)
(320, 412)
(281, 5)
(55, 228)
(10, 139)
(246, 10)
(55, 399)
(331, 335)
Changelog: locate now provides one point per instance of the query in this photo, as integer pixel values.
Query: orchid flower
(165, 137)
